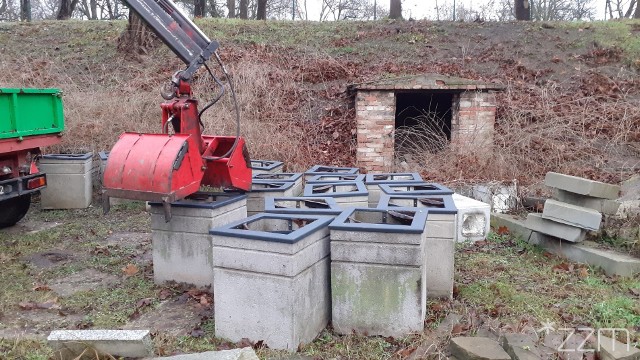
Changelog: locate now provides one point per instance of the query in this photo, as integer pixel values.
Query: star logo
(547, 327)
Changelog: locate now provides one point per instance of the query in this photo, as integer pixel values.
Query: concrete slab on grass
(605, 206)
(572, 215)
(235, 354)
(582, 186)
(68, 344)
(562, 231)
(84, 280)
(467, 347)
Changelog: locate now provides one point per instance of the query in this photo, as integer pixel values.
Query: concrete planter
(441, 233)
(261, 189)
(378, 277)
(332, 178)
(289, 177)
(182, 247)
(271, 279)
(345, 193)
(329, 170)
(415, 189)
(69, 181)
(266, 166)
(474, 218)
(302, 206)
(373, 182)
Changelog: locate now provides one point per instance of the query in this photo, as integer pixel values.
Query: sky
(419, 9)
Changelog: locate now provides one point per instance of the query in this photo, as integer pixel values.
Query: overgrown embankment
(571, 102)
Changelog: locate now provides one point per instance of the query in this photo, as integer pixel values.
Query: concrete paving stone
(477, 348)
(562, 231)
(372, 299)
(235, 354)
(605, 206)
(172, 318)
(84, 280)
(611, 349)
(30, 227)
(68, 344)
(582, 186)
(521, 347)
(572, 215)
(49, 258)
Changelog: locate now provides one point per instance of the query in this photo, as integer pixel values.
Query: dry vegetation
(571, 102)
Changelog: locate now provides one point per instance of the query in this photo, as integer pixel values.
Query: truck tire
(13, 210)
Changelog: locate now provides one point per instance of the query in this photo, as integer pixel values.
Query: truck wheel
(13, 210)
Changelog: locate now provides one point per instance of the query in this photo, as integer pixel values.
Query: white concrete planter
(345, 193)
(266, 166)
(302, 206)
(332, 178)
(182, 247)
(373, 182)
(378, 277)
(261, 189)
(69, 181)
(271, 279)
(329, 170)
(441, 230)
(473, 221)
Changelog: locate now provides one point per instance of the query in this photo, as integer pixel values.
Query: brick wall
(375, 118)
(473, 120)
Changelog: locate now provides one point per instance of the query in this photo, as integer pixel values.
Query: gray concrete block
(572, 215)
(612, 349)
(266, 166)
(328, 170)
(605, 206)
(439, 264)
(582, 186)
(67, 191)
(473, 219)
(66, 163)
(331, 178)
(477, 348)
(262, 189)
(562, 231)
(612, 262)
(195, 224)
(68, 344)
(302, 205)
(373, 299)
(378, 253)
(282, 311)
(182, 257)
(515, 225)
(373, 181)
(235, 354)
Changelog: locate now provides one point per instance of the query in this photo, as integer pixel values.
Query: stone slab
(582, 186)
(284, 312)
(68, 344)
(573, 215)
(375, 299)
(235, 354)
(30, 227)
(611, 349)
(605, 206)
(562, 231)
(84, 280)
(173, 318)
(521, 347)
(477, 348)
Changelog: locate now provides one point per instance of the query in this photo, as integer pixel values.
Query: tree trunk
(395, 9)
(25, 10)
(523, 10)
(244, 9)
(231, 6)
(199, 8)
(636, 14)
(137, 38)
(261, 13)
(94, 9)
(66, 9)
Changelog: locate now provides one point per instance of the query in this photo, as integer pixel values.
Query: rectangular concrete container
(261, 189)
(332, 178)
(441, 233)
(182, 247)
(378, 277)
(373, 182)
(345, 193)
(328, 170)
(266, 166)
(271, 279)
(302, 205)
(473, 219)
(415, 189)
(289, 177)
(69, 181)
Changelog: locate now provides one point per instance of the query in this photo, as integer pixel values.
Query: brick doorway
(422, 118)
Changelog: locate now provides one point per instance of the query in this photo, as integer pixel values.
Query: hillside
(571, 102)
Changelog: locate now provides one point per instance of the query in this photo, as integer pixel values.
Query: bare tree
(261, 12)
(523, 10)
(231, 8)
(199, 8)
(66, 9)
(395, 9)
(25, 10)
(244, 9)
(137, 37)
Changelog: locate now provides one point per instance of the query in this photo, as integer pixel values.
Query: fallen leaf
(562, 267)
(403, 353)
(196, 333)
(583, 273)
(41, 287)
(130, 270)
(31, 305)
(503, 230)
(457, 329)
(165, 294)
(244, 342)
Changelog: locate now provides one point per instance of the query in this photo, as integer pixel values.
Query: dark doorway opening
(423, 121)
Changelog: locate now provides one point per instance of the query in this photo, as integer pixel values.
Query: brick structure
(473, 110)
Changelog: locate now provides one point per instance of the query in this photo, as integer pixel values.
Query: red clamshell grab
(153, 167)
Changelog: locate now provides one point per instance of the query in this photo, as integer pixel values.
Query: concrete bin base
(266, 166)
(373, 182)
(302, 205)
(345, 193)
(182, 247)
(271, 279)
(261, 189)
(69, 181)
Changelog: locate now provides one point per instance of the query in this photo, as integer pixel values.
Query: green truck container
(29, 120)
